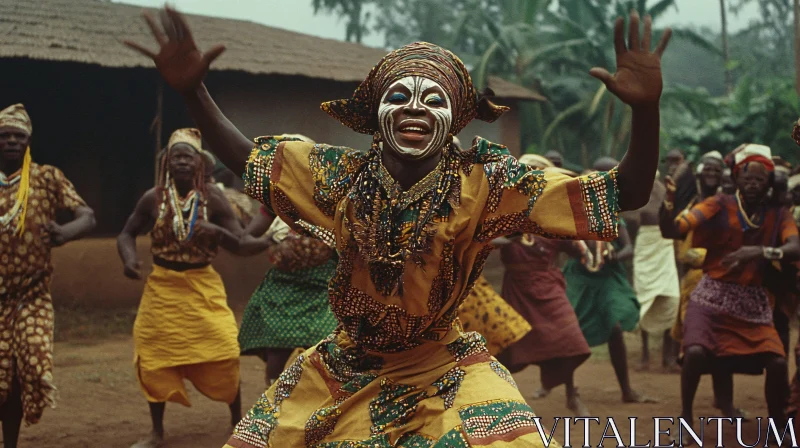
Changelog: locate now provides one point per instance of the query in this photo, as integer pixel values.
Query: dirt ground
(100, 404)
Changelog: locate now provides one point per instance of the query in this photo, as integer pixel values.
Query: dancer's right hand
(182, 65)
(133, 270)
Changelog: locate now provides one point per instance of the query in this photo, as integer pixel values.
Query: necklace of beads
(593, 262)
(749, 221)
(185, 211)
(11, 215)
(396, 225)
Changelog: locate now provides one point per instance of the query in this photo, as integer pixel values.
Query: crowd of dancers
(376, 324)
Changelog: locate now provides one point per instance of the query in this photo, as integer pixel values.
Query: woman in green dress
(604, 300)
(289, 309)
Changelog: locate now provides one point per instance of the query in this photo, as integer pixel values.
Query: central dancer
(413, 220)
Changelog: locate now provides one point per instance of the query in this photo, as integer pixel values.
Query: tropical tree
(355, 13)
(757, 111)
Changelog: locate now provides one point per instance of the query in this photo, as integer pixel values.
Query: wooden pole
(725, 53)
(156, 126)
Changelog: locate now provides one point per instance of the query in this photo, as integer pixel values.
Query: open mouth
(414, 130)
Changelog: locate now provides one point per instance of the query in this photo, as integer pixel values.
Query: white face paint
(415, 120)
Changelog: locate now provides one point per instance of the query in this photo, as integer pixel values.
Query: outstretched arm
(638, 84)
(183, 66)
(140, 219)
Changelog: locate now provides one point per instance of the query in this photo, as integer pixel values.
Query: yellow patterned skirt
(450, 393)
(487, 313)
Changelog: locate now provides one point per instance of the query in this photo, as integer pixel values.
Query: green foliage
(757, 112)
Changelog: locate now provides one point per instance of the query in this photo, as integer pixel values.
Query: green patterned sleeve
(301, 182)
(522, 199)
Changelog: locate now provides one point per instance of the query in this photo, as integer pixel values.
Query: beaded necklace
(748, 221)
(395, 225)
(185, 211)
(11, 215)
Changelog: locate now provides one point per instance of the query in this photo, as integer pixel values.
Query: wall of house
(266, 104)
(88, 273)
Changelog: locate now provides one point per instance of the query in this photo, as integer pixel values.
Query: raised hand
(182, 65)
(637, 81)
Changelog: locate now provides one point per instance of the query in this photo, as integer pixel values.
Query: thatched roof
(91, 31)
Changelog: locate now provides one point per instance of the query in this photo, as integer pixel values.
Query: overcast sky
(298, 15)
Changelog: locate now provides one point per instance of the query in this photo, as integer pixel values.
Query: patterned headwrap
(188, 136)
(360, 113)
(752, 153)
(15, 116)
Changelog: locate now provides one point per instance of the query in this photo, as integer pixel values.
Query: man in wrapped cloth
(31, 195)
(655, 279)
(412, 219)
(184, 328)
(729, 319)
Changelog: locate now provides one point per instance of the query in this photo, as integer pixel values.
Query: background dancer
(290, 308)
(413, 220)
(535, 287)
(184, 328)
(30, 197)
(656, 282)
(728, 325)
(604, 301)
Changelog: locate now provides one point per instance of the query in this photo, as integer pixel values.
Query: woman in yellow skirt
(413, 220)
(184, 328)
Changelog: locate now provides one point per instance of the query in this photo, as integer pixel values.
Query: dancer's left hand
(742, 255)
(637, 81)
(57, 233)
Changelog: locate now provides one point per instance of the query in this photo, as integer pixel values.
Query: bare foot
(634, 397)
(575, 404)
(541, 393)
(153, 441)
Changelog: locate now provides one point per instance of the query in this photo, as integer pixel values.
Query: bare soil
(100, 404)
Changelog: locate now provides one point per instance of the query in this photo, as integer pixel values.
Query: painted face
(415, 117)
(13, 143)
(183, 161)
